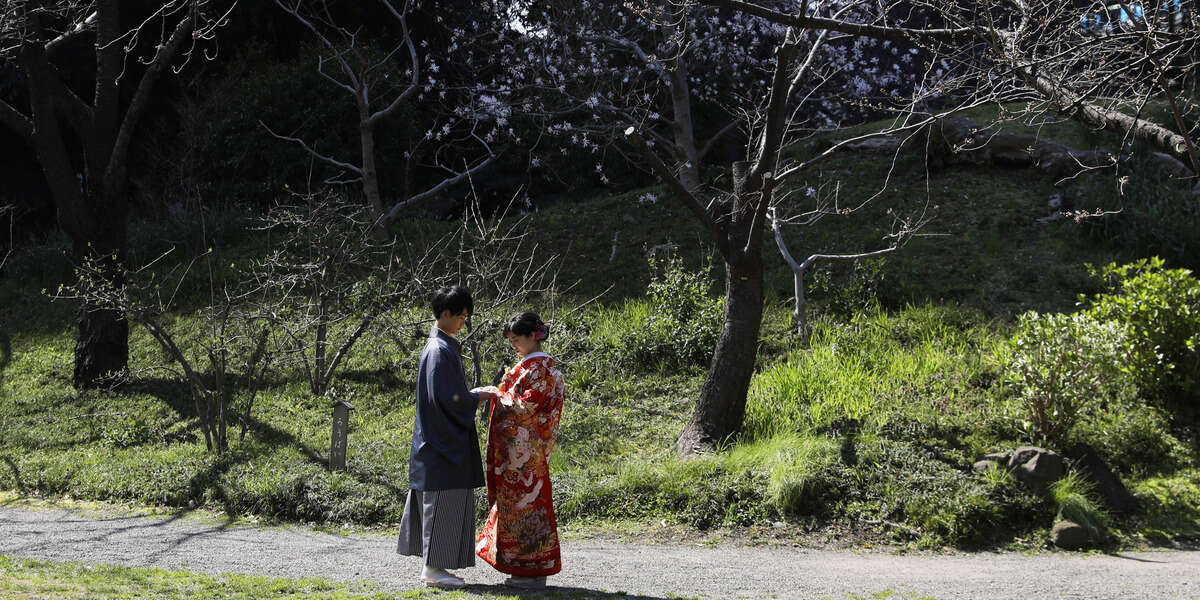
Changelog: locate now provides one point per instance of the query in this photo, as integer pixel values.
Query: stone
(1172, 165)
(628, 218)
(1069, 535)
(1037, 467)
(991, 461)
(1108, 487)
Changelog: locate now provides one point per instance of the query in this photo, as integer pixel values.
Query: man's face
(452, 324)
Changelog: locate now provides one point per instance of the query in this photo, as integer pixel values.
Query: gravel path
(607, 568)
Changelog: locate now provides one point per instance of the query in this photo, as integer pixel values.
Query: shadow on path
(551, 591)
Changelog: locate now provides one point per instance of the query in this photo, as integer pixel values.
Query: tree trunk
(102, 334)
(370, 183)
(681, 126)
(101, 346)
(721, 406)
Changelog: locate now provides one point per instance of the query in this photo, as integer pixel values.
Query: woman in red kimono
(521, 535)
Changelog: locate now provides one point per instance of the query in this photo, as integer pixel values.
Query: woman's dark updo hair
(527, 323)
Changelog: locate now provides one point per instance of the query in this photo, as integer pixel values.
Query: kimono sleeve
(449, 386)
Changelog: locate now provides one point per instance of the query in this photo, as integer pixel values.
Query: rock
(1113, 494)
(1173, 165)
(628, 218)
(984, 465)
(1036, 467)
(991, 461)
(1069, 535)
(879, 145)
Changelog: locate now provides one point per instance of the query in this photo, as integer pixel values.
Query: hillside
(876, 422)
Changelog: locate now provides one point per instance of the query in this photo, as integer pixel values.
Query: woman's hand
(486, 392)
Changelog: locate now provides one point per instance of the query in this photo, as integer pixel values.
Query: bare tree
(83, 146)
(902, 230)
(735, 219)
(328, 281)
(353, 66)
(1102, 64)
(226, 359)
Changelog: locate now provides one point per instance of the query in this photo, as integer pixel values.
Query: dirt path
(605, 568)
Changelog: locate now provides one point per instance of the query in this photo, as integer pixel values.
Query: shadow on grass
(382, 376)
(16, 473)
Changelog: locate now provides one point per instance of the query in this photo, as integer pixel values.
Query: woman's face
(523, 345)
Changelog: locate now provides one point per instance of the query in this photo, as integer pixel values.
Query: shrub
(1061, 364)
(684, 320)
(854, 291)
(1133, 437)
(1161, 308)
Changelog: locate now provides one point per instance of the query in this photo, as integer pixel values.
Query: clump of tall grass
(786, 475)
(1073, 496)
(795, 468)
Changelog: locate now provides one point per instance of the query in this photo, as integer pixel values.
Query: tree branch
(415, 65)
(17, 122)
(708, 145)
(314, 153)
(137, 106)
(395, 211)
(880, 32)
(80, 27)
(355, 84)
(676, 186)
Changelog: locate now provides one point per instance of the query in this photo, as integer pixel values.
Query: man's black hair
(453, 299)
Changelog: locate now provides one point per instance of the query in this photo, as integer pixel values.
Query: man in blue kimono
(445, 465)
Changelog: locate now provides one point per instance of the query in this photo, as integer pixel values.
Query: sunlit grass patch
(922, 361)
(21, 578)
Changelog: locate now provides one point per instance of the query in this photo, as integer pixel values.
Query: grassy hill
(868, 431)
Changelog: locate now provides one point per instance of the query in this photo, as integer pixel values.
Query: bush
(1131, 436)
(683, 323)
(1161, 308)
(856, 290)
(1060, 365)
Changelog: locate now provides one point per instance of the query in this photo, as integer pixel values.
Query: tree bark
(102, 333)
(721, 407)
(370, 179)
(681, 126)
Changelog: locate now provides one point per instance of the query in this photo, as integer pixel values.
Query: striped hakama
(440, 526)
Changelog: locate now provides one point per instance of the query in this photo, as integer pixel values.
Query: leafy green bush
(1161, 308)
(1060, 365)
(683, 323)
(1132, 437)
(855, 290)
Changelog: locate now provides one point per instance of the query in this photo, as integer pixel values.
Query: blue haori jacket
(445, 448)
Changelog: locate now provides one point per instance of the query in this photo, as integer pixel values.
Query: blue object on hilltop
(1101, 22)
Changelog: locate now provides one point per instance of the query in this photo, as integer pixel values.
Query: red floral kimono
(521, 534)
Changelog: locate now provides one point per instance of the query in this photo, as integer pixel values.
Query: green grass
(1074, 497)
(28, 579)
(22, 579)
(877, 419)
